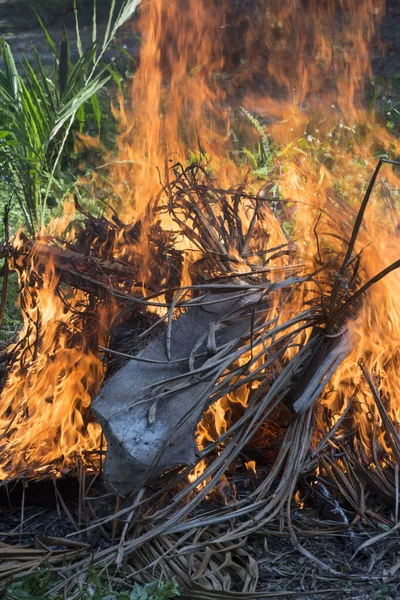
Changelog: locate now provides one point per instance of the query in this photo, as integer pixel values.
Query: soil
(364, 576)
(333, 563)
(20, 26)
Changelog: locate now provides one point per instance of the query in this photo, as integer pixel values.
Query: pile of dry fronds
(177, 527)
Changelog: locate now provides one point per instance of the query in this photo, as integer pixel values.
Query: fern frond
(265, 142)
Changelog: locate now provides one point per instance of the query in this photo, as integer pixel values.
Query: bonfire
(217, 353)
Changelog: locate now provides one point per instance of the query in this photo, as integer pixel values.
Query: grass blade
(11, 73)
(107, 36)
(78, 33)
(96, 110)
(126, 13)
(94, 25)
(47, 36)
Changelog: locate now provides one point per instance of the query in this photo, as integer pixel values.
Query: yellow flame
(305, 75)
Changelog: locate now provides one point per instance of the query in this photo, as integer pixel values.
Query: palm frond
(38, 114)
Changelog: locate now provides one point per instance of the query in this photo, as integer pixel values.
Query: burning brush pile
(211, 328)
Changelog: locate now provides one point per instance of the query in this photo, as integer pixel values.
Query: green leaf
(107, 38)
(37, 89)
(155, 591)
(94, 26)
(78, 77)
(46, 83)
(78, 33)
(96, 110)
(116, 77)
(47, 35)
(126, 13)
(73, 105)
(11, 73)
(121, 50)
(250, 155)
(81, 116)
(33, 112)
(138, 593)
(35, 118)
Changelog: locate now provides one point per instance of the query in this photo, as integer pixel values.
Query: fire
(175, 100)
(51, 382)
(330, 145)
(305, 76)
(251, 466)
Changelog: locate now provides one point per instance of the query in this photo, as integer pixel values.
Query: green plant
(39, 111)
(42, 583)
(34, 586)
(154, 591)
(96, 589)
(262, 158)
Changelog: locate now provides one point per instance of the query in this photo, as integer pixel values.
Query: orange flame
(45, 403)
(315, 57)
